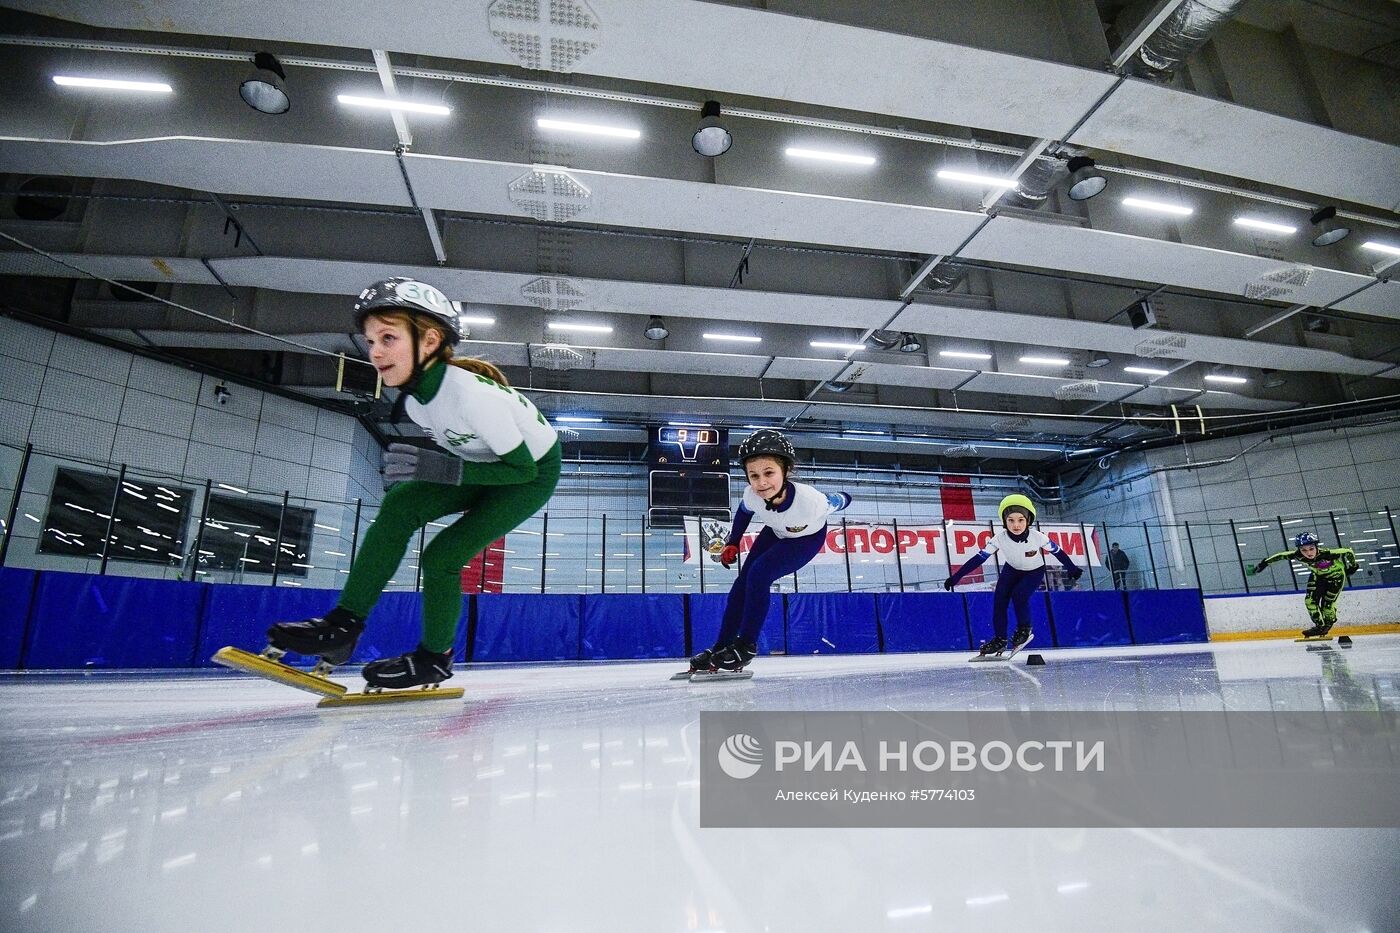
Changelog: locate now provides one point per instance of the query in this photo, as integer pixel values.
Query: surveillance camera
(222, 394)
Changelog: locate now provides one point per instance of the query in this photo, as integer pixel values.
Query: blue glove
(403, 462)
(948, 584)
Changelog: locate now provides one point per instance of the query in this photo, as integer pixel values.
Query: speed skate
(269, 666)
(711, 677)
(1003, 654)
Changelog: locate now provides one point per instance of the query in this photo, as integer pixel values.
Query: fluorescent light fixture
(1268, 226)
(832, 345)
(591, 129)
(1232, 380)
(112, 84)
(1072, 886)
(964, 355)
(1295, 521)
(820, 156)
(986, 181)
(733, 338)
(1381, 247)
(581, 328)
(385, 103)
(875, 433)
(573, 419)
(1160, 207)
(1044, 361)
(231, 488)
(1145, 371)
(469, 319)
(687, 424)
(901, 912)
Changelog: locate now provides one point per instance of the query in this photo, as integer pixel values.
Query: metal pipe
(111, 521)
(199, 534)
(277, 545)
(14, 504)
(1238, 556)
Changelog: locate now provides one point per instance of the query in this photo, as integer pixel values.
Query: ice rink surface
(560, 798)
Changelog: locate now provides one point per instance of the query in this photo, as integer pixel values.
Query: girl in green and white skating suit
(498, 463)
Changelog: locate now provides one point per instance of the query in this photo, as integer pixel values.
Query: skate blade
(983, 658)
(1316, 638)
(395, 696)
(710, 677)
(683, 675)
(250, 663)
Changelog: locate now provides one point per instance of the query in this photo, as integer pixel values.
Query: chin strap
(777, 496)
(408, 387)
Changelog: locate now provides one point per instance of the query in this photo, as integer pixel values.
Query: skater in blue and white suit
(1022, 552)
(794, 518)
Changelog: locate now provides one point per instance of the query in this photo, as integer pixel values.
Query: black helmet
(413, 297)
(767, 443)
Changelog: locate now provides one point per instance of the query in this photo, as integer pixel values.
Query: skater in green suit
(495, 463)
(1331, 566)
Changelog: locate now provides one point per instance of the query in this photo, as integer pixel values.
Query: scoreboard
(679, 447)
(689, 473)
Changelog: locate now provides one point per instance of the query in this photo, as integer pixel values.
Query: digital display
(679, 446)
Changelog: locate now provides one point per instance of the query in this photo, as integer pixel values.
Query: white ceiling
(781, 64)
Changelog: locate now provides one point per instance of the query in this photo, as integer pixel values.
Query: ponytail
(480, 367)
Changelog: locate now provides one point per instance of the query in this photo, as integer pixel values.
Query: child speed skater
(1022, 572)
(497, 464)
(794, 519)
(1331, 566)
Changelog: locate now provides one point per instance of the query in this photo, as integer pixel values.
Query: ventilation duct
(1184, 32)
(1036, 182)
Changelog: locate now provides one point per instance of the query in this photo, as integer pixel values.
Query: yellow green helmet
(1018, 502)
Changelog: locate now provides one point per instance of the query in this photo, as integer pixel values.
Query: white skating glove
(404, 462)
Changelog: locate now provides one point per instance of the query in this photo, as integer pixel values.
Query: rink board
(92, 622)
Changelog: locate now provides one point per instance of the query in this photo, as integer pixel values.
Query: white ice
(562, 798)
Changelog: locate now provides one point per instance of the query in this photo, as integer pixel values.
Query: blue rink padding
(1085, 619)
(979, 618)
(16, 598)
(923, 621)
(633, 625)
(84, 621)
(707, 612)
(527, 627)
(1162, 617)
(832, 623)
(239, 615)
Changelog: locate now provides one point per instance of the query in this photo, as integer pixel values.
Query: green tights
(491, 511)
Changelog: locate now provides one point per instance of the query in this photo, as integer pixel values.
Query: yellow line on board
(1380, 629)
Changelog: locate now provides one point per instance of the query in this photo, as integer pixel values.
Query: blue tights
(770, 559)
(1015, 587)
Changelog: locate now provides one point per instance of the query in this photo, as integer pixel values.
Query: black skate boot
(1020, 639)
(1319, 630)
(420, 668)
(735, 656)
(705, 660)
(332, 638)
(992, 647)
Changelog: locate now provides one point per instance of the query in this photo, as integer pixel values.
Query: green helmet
(1019, 503)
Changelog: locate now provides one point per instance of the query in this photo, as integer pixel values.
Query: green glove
(1251, 571)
